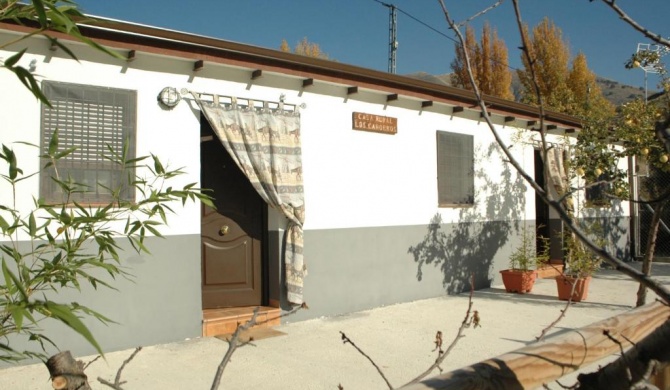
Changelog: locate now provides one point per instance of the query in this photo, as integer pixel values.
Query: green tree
(490, 66)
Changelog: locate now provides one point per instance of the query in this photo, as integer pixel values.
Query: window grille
(98, 122)
(455, 169)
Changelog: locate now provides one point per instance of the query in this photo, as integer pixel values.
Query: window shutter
(97, 121)
(455, 168)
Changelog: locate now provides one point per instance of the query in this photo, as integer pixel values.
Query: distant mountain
(613, 91)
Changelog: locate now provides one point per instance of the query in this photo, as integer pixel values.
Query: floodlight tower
(650, 67)
(393, 35)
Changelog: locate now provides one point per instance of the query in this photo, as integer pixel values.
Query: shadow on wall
(469, 246)
(608, 227)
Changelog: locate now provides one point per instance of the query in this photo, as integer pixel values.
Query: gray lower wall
(349, 270)
(160, 303)
(362, 268)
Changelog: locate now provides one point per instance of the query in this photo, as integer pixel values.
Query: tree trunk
(649, 251)
(67, 373)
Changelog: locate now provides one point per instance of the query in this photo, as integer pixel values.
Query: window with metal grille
(98, 122)
(455, 169)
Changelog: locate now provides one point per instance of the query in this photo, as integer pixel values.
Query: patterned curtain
(559, 175)
(265, 144)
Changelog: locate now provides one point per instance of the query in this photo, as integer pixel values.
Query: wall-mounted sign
(375, 123)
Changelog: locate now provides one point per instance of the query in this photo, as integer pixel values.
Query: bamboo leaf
(11, 61)
(9, 275)
(65, 314)
(32, 225)
(53, 144)
(17, 315)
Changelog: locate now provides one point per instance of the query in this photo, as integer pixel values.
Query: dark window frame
(455, 169)
(595, 195)
(92, 119)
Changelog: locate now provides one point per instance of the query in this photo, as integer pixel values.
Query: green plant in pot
(580, 265)
(523, 263)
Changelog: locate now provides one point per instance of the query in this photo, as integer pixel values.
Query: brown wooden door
(232, 235)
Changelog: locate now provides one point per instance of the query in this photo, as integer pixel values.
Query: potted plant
(580, 265)
(523, 263)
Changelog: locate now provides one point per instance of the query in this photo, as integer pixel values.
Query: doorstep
(225, 320)
(550, 271)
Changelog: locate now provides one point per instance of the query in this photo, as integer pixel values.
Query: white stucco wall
(352, 178)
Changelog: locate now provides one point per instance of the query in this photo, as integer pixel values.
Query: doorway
(234, 235)
(547, 227)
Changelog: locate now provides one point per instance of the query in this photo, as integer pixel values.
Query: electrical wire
(436, 30)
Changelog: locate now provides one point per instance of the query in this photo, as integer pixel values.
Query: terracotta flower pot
(518, 281)
(564, 285)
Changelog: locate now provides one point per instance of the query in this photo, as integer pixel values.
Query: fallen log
(548, 360)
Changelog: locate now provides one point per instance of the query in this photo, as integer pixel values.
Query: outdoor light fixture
(169, 97)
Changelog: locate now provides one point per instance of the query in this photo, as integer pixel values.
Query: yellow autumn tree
(304, 47)
(588, 99)
(564, 87)
(551, 57)
(489, 64)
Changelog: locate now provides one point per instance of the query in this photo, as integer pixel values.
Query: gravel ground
(400, 338)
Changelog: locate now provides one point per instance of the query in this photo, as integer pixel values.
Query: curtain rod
(234, 100)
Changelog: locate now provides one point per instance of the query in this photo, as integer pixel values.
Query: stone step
(225, 320)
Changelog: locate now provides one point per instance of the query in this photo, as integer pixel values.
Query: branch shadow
(468, 246)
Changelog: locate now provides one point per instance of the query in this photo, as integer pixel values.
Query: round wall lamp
(169, 97)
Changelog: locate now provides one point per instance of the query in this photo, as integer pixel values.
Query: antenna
(651, 67)
(393, 35)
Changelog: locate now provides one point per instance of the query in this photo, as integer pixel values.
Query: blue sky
(356, 31)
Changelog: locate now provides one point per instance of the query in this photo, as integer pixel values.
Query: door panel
(232, 234)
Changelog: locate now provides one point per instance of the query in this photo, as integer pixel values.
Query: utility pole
(393, 37)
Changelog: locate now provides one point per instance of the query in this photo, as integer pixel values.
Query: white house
(399, 185)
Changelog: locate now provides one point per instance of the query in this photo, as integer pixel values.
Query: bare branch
(560, 317)
(233, 344)
(618, 264)
(117, 380)
(467, 321)
(346, 340)
(480, 13)
(624, 16)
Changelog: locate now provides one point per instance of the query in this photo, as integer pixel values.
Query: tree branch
(117, 380)
(618, 264)
(624, 16)
(346, 340)
(467, 321)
